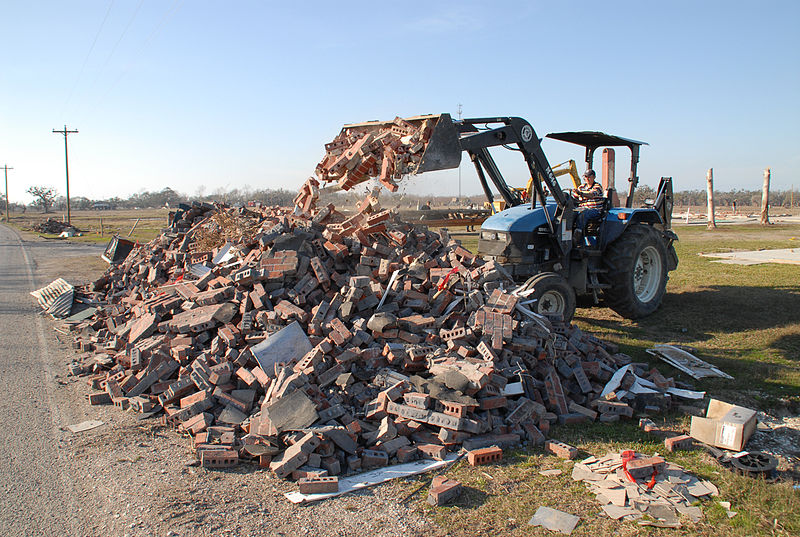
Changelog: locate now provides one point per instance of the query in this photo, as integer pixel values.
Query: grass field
(744, 319)
(150, 224)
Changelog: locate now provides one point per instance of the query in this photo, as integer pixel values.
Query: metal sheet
(687, 362)
(288, 344)
(57, 296)
(374, 477)
(199, 269)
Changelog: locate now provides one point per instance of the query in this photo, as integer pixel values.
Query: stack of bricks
(447, 361)
(386, 151)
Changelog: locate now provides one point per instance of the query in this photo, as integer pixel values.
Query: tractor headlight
(494, 236)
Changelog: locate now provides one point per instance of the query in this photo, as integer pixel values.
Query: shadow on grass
(789, 344)
(698, 315)
(471, 498)
(729, 308)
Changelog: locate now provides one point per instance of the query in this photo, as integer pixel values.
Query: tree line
(47, 199)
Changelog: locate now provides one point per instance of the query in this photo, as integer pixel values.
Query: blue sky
(201, 94)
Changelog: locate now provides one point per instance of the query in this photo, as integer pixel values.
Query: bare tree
(45, 196)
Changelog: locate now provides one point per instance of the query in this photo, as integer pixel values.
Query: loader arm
(517, 132)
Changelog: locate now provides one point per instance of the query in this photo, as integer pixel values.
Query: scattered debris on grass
(52, 226)
(631, 485)
(688, 363)
(554, 520)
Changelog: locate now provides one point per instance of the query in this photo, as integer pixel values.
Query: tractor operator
(590, 202)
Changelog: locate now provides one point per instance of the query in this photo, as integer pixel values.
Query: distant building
(101, 206)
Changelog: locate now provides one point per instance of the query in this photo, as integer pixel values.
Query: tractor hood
(520, 218)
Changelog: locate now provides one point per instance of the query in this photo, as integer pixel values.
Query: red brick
(443, 490)
(218, 458)
(318, 485)
(487, 455)
(560, 449)
(675, 443)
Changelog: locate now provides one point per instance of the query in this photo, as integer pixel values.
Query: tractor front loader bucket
(443, 151)
(442, 147)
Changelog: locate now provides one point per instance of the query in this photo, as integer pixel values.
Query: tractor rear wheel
(553, 295)
(637, 272)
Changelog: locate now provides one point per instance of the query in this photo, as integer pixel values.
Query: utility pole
(459, 163)
(712, 221)
(5, 169)
(765, 198)
(66, 132)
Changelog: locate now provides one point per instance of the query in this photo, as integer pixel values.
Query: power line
(119, 40)
(171, 12)
(66, 132)
(86, 59)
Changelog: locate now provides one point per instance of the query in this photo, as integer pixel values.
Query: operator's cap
(589, 173)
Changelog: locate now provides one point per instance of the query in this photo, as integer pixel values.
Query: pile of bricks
(327, 343)
(631, 485)
(387, 151)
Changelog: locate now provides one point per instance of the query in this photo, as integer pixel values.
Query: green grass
(745, 320)
(99, 226)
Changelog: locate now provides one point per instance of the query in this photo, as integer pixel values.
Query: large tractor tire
(637, 272)
(553, 295)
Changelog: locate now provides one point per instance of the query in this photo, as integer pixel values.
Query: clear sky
(223, 94)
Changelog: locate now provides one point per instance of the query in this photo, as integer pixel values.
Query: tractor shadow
(696, 316)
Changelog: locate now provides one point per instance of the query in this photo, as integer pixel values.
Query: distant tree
(642, 193)
(43, 196)
(80, 203)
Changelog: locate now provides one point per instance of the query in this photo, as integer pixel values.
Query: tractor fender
(616, 226)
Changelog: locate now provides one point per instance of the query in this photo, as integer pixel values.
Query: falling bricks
(261, 338)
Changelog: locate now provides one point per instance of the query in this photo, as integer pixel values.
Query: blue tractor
(622, 259)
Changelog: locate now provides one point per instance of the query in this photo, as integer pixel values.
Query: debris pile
(320, 343)
(630, 485)
(376, 149)
(53, 227)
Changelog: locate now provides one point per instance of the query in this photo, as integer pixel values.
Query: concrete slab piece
(616, 512)
(84, 426)
(291, 412)
(286, 345)
(789, 256)
(549, 473)
(554, 520)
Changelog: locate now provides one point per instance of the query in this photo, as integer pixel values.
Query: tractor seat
(593, 225)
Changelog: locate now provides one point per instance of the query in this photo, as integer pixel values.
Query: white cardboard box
(725, 425)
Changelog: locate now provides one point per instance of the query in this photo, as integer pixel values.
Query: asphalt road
(36, 495)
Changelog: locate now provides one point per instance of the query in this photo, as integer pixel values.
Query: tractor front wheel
(553, 295)
(637, 272)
